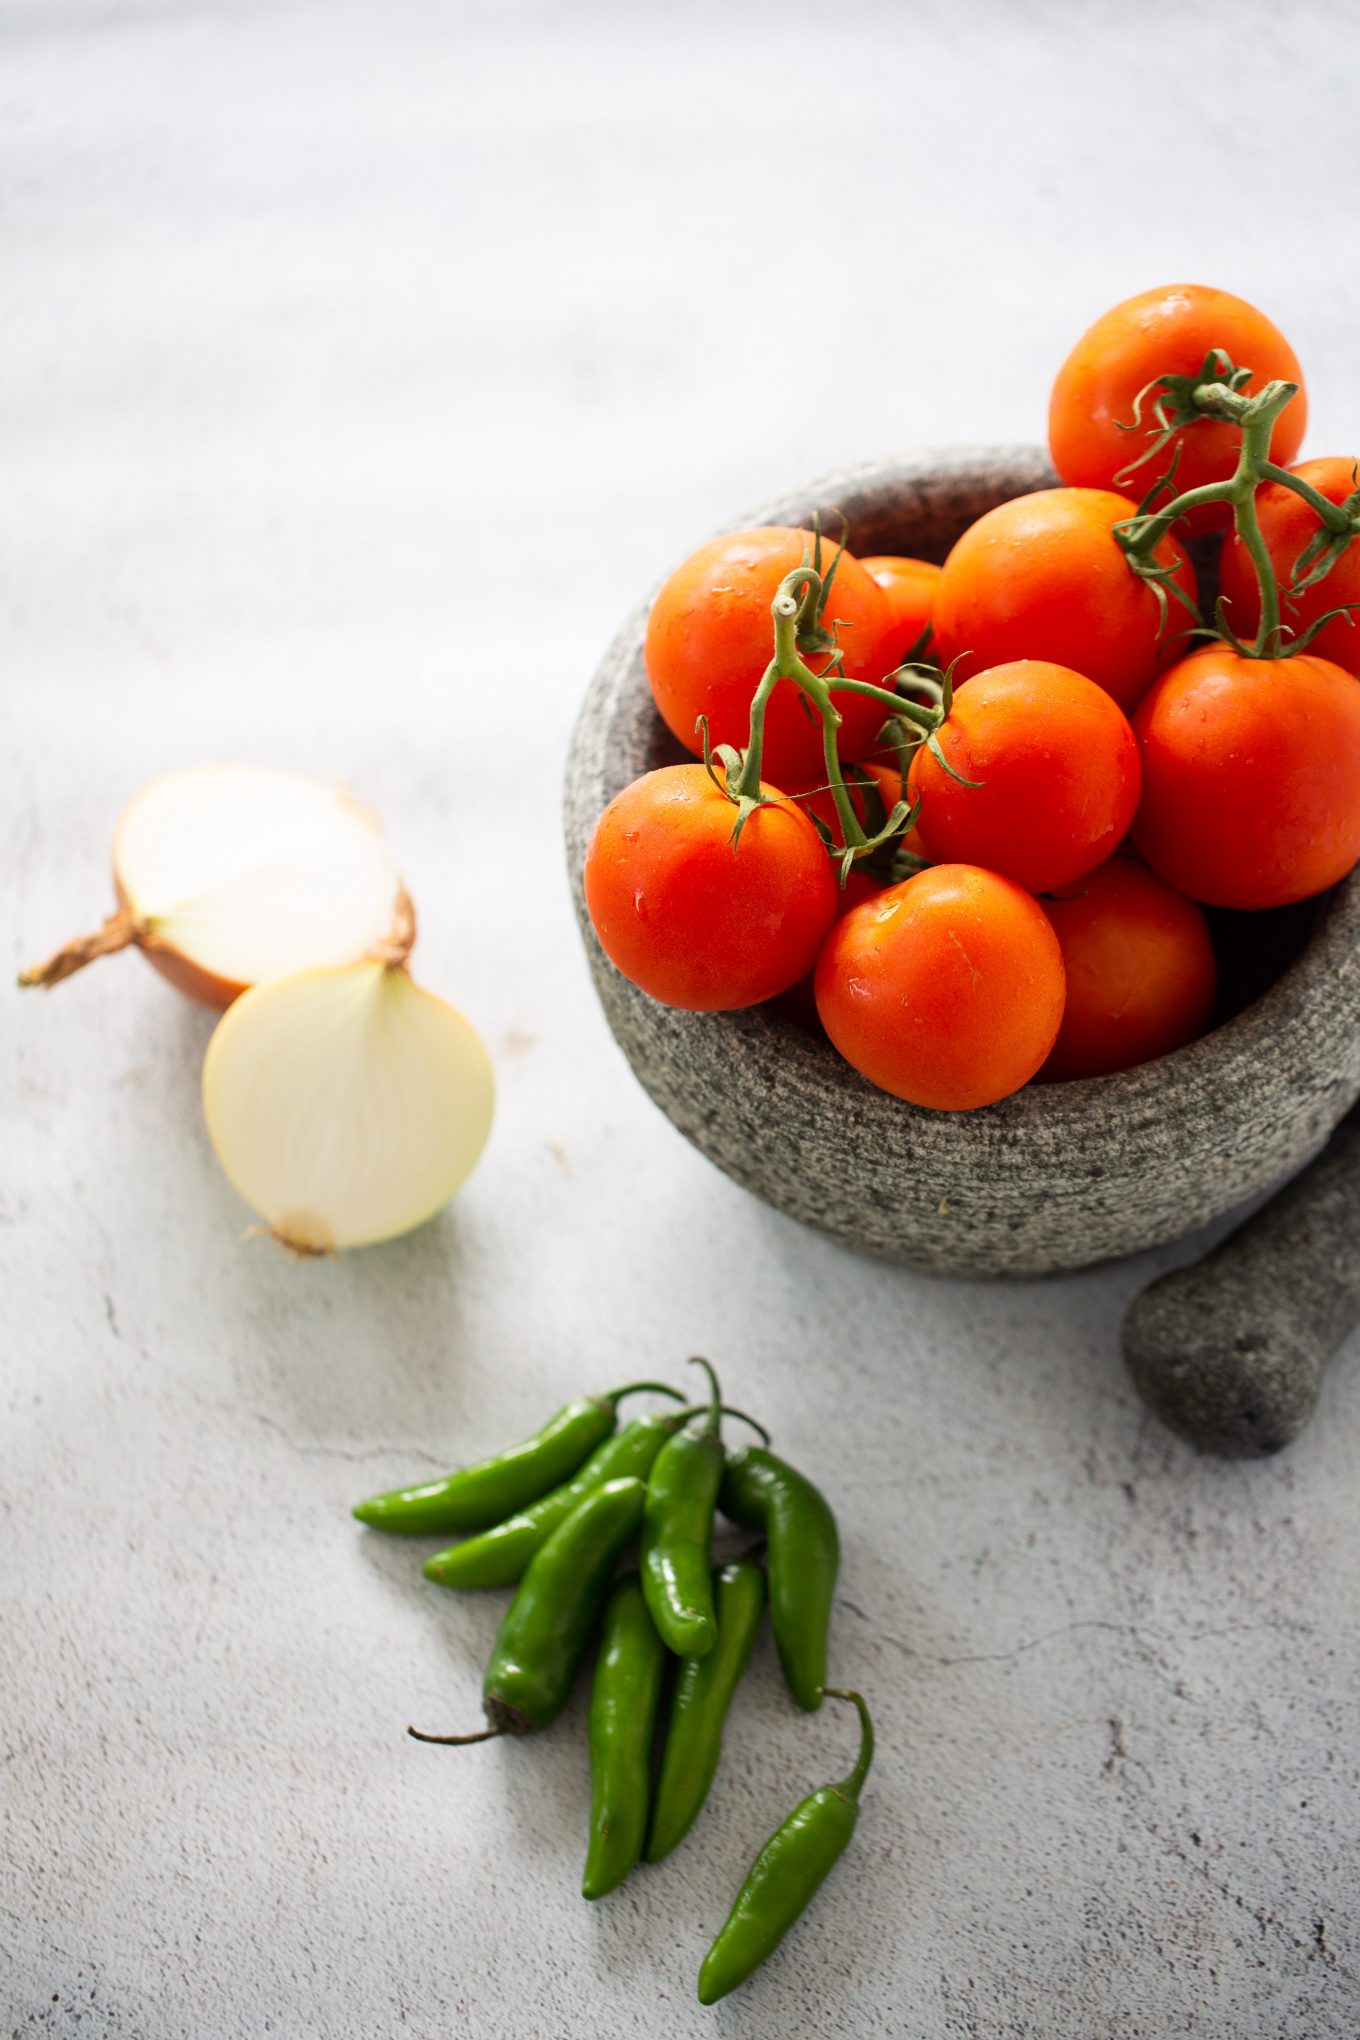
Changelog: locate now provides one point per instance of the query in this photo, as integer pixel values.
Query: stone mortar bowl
(1057, 1176)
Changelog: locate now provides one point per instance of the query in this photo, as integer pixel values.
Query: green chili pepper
(788, 1871)
(677, 1527)
(803, 1555)
(623, 1702)
(479, 1495)
(547, 1626)
(699, 1704)
(499, 1557)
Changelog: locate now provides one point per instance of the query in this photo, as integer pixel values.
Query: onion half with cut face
(346, 1105)
(230, 875)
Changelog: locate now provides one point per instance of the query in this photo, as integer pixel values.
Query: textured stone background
(363, 363)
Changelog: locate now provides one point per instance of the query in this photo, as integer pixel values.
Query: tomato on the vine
(1043, 577)
(1165, 331)
(1140, 971)
(1055, 766)
(710, 639)
(693, 918)
(1287, 525)
(911, 587)
(946, 990)
(1251, 777)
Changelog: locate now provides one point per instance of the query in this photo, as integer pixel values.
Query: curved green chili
(499, 1556)
(699, 1704)
(788, 1871)
(677, 1526)
(803, 1555)
(547, 1626)
(623, 1702)
(476, 1496)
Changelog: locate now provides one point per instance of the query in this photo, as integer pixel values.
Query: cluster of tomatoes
(1083, 764)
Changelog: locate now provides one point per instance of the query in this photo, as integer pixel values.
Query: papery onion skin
(188, 977)
(346, 1105)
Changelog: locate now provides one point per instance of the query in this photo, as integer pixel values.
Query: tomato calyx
(812, 639)
(1215, 390)
(730, 785)
(1218, 392)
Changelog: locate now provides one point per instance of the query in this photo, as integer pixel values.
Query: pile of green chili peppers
(554, 1517)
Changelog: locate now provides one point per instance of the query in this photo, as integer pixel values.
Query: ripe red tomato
(710, 637)
(946, 990)
(799, 1003)
(1058, 766)
(1140, 971)
(1160, 332)
(1287, 524)
(910, 586)
(1042, 577)
(693, 919)
(1251, 777)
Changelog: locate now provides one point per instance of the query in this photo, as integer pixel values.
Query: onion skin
(179, 970)
(187, 977)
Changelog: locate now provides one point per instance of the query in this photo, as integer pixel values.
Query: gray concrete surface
(362, 364)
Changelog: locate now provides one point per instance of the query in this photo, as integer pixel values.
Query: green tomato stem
(1147, 532)
(748, 786)
(1255, 417)
(928, 718)
(852, 835)
(795, 609)
(1334, 515)
(1255, 448)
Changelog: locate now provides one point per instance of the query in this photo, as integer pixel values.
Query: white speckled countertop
(364, 361)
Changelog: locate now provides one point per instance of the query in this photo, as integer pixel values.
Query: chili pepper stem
(615, 1395)
(713, 1416)
(450, 1741)
(853, 1784)
(742, 1417)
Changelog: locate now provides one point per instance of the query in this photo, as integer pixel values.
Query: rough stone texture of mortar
(1056, 1177)
(1231, 1352)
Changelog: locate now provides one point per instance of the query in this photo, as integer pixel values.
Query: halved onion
(346, 1105)
(229, 875)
